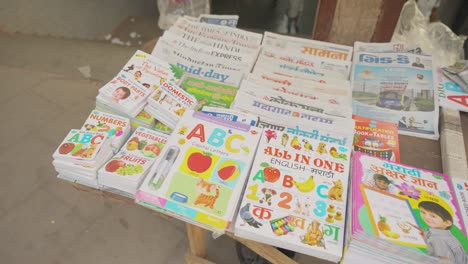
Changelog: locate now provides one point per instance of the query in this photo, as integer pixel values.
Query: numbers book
(169, 102)
(296, 195)
(127, 168)
(376, 138)
(124, 96)
(117, 127)
(403, 213)
(231, 115)
(208, 92)
(83, 147)
(202, 170)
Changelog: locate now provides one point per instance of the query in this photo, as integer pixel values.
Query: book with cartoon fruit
(117, 127)
(394, 212)
(296, 194)
(202, 170)
(127, 168)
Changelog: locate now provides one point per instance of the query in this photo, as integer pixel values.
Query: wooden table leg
(196, 237)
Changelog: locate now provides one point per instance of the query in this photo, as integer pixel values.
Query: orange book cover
(376, 138)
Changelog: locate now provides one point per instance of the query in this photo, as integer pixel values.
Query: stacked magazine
(117, 127)
(402, 214)
(127, 168)
(202, 170)
(396, 87)
(80, 155)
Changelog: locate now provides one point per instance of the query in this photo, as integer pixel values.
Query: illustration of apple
(153, 148)
(271, 174)
(199, 162)
(66, 147)
(113, 165)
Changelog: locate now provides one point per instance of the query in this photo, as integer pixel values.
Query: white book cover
(296, 195)
(224, 71)
(231, 115)
(263, 108)
(202, 170)
(178, 43)
(161, 119)
(398, 88)
(171, 102)
(125, 95)
(149, 71)
(83, 147)
(304, 66)
(307, 47)
(117, 127)
(293, 100)
(229, 46)
(227, 32)
(460, 186)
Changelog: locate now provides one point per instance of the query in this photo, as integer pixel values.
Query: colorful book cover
(150, 71)
(461, 191)
(410, 207)
(202, 170)
(117, 127)
(145, 142)
(124, 94)
(159, 126)
(231, 115)
(169, 102)
(376, 138)
(82, 146)
(296, 195)
(126, 166)
(208, 92)
(142, 119)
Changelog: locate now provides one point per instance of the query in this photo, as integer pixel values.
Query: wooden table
(196, 235)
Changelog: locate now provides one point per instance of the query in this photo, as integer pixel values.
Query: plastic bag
(433, 38)
(171, 10)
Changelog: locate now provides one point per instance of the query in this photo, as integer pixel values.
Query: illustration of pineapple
(382, 224)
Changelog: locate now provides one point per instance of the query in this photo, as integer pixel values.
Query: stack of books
(169, 102)
(202, 170)
(403, 214)
(81, 154)
(117, 127)
(126, 170)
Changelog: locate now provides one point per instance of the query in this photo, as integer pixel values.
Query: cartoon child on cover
(120, 93)
(439, 240)
(382, 183)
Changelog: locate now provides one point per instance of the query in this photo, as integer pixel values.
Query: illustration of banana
(305, 186)
(391, 234)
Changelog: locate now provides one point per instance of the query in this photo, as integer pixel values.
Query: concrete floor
(44, 219)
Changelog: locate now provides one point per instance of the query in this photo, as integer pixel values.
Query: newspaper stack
(80, 155)
(396, 87)
(299, 84)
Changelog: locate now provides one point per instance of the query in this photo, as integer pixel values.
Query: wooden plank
(354, 20)
(266, 251)
(196, 237)
(452, 144)
(323, 19)
(191, 259)
(386, 22)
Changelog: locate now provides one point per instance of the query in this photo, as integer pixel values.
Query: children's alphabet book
(296, 195)
(202, 170)
(405, 213)
(376, 138)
